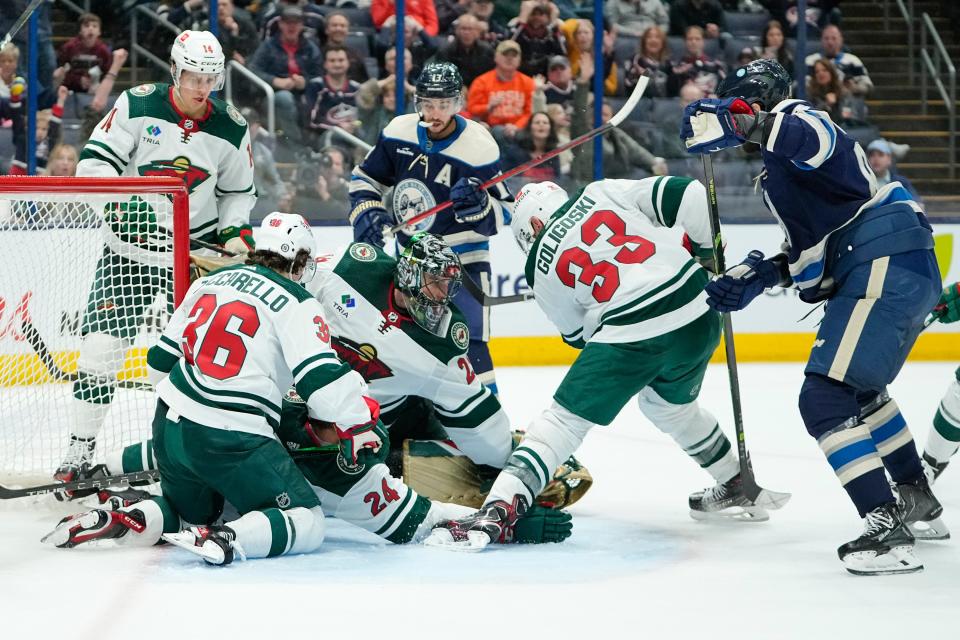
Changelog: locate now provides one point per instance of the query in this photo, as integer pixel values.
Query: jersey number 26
(222, 352)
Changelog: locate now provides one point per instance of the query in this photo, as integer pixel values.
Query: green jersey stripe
(466, 403)
(279, 534)
(171, 343)
(319, 377)
(109, 150)
(220, 191)
(684, 295)
(306, 363)
(203, 227)
(90, 154)
(182, 383)
(411, 522)
(685, 272)
(396, 514)
(237, 396)
(697, 445)
(161, 360)
(672, 197)
(475, 417)
(653, 199)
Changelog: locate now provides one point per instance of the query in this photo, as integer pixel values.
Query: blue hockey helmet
(762, 81)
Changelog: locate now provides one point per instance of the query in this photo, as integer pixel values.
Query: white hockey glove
(360, 436)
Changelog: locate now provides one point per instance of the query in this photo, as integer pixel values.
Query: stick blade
(772, 500)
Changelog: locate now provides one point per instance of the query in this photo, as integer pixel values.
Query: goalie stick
(754, 492)
(8, 493)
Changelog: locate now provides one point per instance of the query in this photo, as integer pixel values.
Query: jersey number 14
(607, 271)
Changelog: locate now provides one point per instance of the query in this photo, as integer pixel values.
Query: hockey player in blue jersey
(869, 253)
(429, 157)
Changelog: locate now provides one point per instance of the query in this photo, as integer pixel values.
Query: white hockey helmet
(199, 52)
(286, 234)
(538, 199)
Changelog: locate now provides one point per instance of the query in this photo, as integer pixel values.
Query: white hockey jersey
(144, 134)
(607, 268)
(241, 337)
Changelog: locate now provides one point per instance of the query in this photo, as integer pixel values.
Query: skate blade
(896, 561)
(185, 540)
(443, 539)
(732, 514)
(60, 535)
(772, 500)
(932, 530)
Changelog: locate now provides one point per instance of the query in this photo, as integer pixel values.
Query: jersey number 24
(221, 353)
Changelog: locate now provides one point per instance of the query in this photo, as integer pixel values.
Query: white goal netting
(86, 283)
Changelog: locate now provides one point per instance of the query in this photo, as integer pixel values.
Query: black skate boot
(492, 523)
(216, 544)
(97, 524)
(885, 547)
(931, 468)
(77, 461)
(725, 501)
(921, 510)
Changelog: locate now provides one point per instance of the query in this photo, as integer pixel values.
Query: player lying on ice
(196, 478)
(869, 254)
(619, 286)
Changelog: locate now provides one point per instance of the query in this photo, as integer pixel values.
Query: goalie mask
(540, 199)
(286, 234)
(200, 53)
(430, 275)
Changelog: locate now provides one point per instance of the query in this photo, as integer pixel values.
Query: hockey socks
(132, 458)
(944, 437)
(851, 452)
(272, 532)
(893, 439)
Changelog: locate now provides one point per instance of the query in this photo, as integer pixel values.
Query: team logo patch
(143, 90)
(283, 500)
(153, 130)
(235, 116)
(460, 334)
(363, 252)
(180, 167)
(411, 198)
(362, 358)
(347, 468)
(292, 396)
(348, 301)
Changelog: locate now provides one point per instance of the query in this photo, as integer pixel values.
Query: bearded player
(156, 129)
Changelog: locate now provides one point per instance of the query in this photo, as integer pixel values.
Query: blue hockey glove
(470, 202)
(369, 223)
(710, 125)
(736, 288)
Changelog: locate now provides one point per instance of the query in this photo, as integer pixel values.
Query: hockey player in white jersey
(619, 285)
(944, 437)
(242, 336)
(156, 130)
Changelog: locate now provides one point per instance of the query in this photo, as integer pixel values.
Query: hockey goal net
(91, 269)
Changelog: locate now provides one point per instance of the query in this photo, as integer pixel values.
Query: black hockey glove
(735, 289)
(369, 223)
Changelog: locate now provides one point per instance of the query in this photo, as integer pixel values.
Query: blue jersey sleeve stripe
(470, 246)
(826, 135)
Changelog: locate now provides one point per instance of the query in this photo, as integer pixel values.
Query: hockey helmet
(538, 199)
(439, 81)
(430, 274)
(199, 52)
(762, 81)
(286, 234)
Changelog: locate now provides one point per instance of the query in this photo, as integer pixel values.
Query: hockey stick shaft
(22, 20)
(7, 493)
(617, 118)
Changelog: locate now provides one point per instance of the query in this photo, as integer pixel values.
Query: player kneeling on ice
(240, 338)
(869, 253)
(622, 288)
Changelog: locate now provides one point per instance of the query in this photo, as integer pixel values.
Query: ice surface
(636, 567)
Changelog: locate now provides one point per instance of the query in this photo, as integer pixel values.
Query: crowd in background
(527, 65)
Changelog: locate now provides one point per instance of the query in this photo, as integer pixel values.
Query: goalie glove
(360, 436)
(201, 266)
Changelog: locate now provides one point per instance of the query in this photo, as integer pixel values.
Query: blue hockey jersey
(816, 180)
(422, 171)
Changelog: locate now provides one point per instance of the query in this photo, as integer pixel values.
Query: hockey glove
(710, 125)
(539, 525)
(360, 436)
(739, 285)
(470, 202)
(948, 307)
(369, 223)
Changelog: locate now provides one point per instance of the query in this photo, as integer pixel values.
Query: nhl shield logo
(363, 252)
(283, 500)
(460, 335)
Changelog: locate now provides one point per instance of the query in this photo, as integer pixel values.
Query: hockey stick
(7, 493)
(756, 494)
(617, 118)
(22, 20)
(39, 347)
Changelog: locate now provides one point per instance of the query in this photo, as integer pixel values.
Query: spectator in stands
(424, 12)
(9, 57)
(622, 155)
(331, 99)
(237, 34)
(10, 12)
(336, 32)
(559, 86)
(322, 186)
(880, 156)
(422, 47)
(47, 134)
(827, 93)
(85, 57)
(534, 140)
(313, 20)
(503, 96)
(852, 72)
(560, 119)
(572, 9)
(94, 112)
(448, 11)
(773, 45)
(653, 61)
(466, 51)
(819, 13)
(270, 186)
(376, 99)
(538, 33)
(288, 61)
(696, 67)
(495, 32)
(634, 17)
(63, 161)
(579, 34)
(706, 14)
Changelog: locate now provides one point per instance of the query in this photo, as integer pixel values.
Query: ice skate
(77, 464)
(921, 510)
(97, 524)
(492, 523)
(725, 501)
(885, 547)
(217, 545)
(931, 468)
